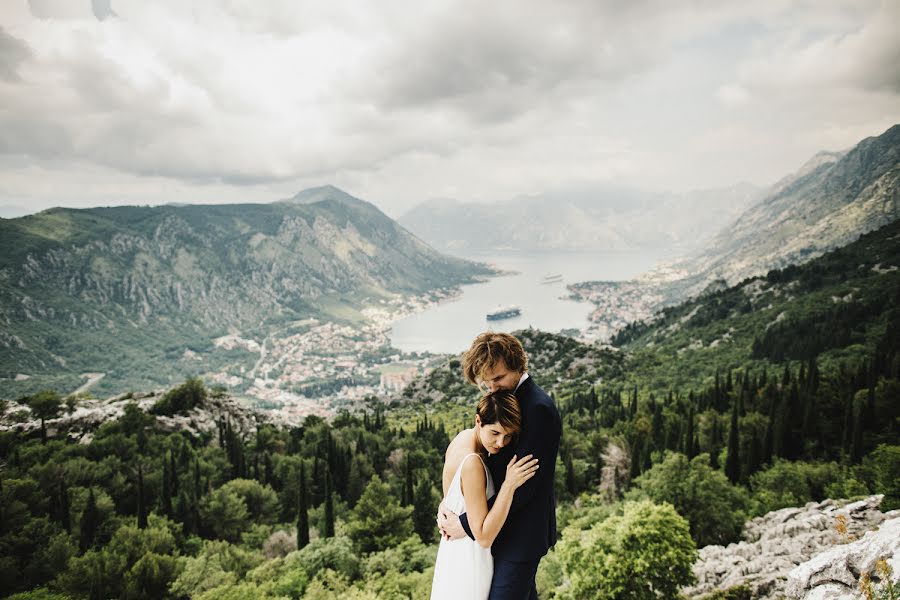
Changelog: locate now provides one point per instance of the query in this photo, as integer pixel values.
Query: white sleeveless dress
(463, 569)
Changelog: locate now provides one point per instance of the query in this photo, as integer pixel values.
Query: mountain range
(829, 202)
(129, 290)
(586, 218)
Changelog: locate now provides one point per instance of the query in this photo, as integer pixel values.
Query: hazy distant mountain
(131, 288)
(581, 219)
(833, 199)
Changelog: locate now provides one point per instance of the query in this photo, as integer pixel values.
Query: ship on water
(555, 278)
(504, 312)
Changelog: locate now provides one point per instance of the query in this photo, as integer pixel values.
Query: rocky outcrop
(776, 543)
(836, 573)
(89, 415)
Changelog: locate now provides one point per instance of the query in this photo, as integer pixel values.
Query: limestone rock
(776, 543)
(835, 573)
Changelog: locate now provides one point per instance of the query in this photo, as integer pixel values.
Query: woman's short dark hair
(500, 407)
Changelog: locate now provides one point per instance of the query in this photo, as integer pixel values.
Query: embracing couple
(498, 515)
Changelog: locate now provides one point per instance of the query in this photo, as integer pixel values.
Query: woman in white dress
(464, 567)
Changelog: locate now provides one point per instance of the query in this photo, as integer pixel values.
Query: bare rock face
(835, 573)
(81, 424)
(776, 543)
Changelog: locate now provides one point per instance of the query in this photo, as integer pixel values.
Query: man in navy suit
(498, 361)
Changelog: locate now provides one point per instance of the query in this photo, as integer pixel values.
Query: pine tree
(302, 512)
(733, 462)
(90, 520)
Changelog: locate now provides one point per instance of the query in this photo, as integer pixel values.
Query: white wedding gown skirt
(463, 569)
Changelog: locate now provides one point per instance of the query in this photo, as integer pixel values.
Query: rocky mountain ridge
(829, 202)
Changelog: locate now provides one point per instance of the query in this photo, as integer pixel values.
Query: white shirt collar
(521, 379)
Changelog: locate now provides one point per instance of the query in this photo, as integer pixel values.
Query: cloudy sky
(108, 102)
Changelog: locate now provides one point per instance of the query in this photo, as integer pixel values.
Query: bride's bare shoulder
(459, 444)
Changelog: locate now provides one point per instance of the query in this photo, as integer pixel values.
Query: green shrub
(644, 554)
(181, 399)
(715, 509)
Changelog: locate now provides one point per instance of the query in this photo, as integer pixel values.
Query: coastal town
(313, 367)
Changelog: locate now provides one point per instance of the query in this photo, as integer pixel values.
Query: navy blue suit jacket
(530, 528)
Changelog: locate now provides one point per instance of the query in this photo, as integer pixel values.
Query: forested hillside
(777, 391)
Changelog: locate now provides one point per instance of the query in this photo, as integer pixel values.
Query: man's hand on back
(448, 523)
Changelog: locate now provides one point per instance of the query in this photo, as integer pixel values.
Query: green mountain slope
(837, 307)
(127, 290)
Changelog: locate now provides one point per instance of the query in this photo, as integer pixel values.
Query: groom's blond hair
(488, 349)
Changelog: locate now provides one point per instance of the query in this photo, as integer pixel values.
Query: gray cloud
(495, 61)
(13, 52)
(102, 9)
(459, 98)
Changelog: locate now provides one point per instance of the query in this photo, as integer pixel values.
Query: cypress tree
(423, 511)
(269, 474)
(767, 449)
(166, 497)
(173, 473)
(570, 474)
(89, 522)
(141, 500)
(733, 463)
(714, 446)
(792, 444)
(847, 434)
(185, 513)
(856, 450)
(635, 460)
(408, 484)
(753, 460)
(329, 507)
(196, 479)
(65, 519)
(302, 512)
(689, 435)
(632, 406)
(318, 476)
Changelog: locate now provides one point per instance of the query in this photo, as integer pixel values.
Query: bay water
(451, 326)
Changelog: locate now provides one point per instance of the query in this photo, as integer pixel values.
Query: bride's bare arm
(486, 525)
